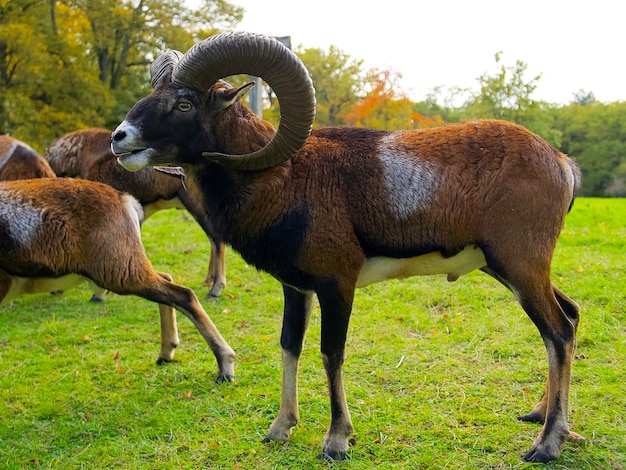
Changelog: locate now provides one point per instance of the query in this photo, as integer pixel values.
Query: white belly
(381, 269)
(27, 285)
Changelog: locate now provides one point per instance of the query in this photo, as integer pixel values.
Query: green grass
(436, 372)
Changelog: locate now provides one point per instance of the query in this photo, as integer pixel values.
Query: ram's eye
(184, 106)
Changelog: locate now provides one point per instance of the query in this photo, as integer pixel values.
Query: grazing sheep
(58, 232)
(18, 161)
(86, 154)
(328, 211)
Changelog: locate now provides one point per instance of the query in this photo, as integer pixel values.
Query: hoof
(211, 296)
(538, 456)
(161, 361)
(331, 456)
(215, 291)
(532, 417)
(220, 379)
(95, 299)
(267, 439)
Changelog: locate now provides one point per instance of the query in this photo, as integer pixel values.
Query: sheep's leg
(169, 334)
(538, 413)
(158, 288)
(556, 317)
(558, 332)
(336, 307)
(296, 315)
(571, 309)
(98, 293)
(216, 275)
(169, 330)
(187, 303)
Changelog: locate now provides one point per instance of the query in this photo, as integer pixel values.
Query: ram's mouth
(125, 153)
(124, 150)
(135, 159)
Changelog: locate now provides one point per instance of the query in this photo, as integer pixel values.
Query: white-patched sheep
(58, 232)
(334, 209)
(86, 154)
(18, 161)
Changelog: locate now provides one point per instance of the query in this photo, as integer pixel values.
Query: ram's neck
(240, 131)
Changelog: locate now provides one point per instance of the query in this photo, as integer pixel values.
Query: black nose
(117, 136)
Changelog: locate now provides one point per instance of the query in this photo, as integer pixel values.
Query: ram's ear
(226, 97)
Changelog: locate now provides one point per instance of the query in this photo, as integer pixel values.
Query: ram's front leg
(295, 321)
(336, 306)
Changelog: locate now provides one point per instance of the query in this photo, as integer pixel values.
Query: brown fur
(355, 201)
(86, 154)
(18, 161)
(57, 231)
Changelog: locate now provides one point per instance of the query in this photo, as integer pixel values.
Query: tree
(72, 64)
(594, 134)
(42, 89)
(126, 34)
(338, 82)
(386, 107)
(508, 95)
(584, 98)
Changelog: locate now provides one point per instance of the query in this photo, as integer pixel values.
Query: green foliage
(83, 63)
(507, 95)
(339, 82)
(435, 375)
(595, 135)
(72, 64)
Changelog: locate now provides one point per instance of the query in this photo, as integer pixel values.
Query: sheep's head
(172, 126)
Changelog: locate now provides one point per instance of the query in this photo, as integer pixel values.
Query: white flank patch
(21, 217)
(409, 182)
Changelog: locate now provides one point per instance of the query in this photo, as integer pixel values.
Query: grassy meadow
(436, 372)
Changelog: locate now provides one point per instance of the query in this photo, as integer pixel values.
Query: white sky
(574, 44)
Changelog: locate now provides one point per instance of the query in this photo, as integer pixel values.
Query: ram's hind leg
(556, 318)
(538, 413)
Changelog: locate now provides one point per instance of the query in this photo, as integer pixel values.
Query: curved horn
(263, 56)
(163, 65)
